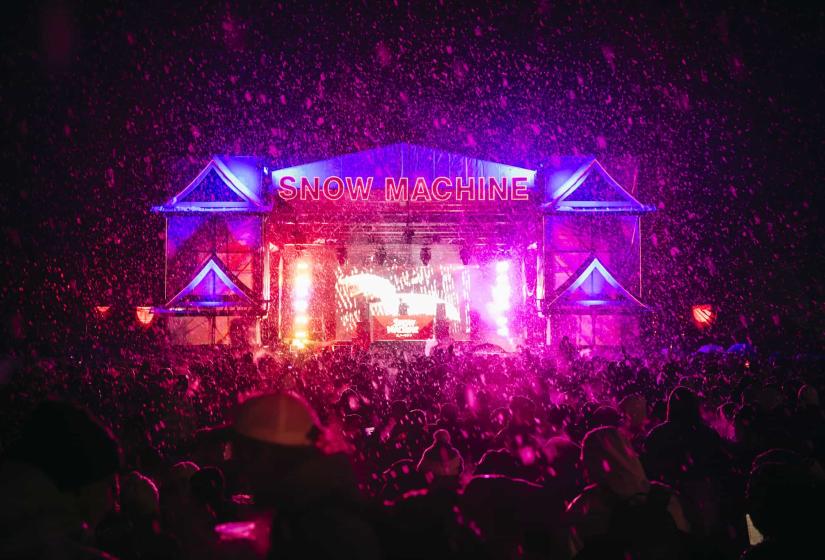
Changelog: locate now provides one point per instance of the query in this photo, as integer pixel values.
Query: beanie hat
(278, 418)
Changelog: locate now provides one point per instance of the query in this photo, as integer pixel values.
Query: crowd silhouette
(347, 454)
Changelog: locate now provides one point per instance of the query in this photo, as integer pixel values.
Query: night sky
(108, 110)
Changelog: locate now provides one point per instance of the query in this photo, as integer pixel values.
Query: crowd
(346, 454)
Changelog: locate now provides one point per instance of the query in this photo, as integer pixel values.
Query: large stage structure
(403, 243)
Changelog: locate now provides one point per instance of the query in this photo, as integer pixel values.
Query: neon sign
(404, 189)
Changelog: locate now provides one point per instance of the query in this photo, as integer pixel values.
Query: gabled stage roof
(591, 290)
(213, 290)
(218, 188)
(581, 184)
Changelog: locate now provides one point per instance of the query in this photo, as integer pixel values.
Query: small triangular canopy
(213, 287)
(592, 289)
(216, 189)
(590, 188)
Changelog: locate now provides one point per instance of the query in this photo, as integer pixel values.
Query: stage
(403, 244)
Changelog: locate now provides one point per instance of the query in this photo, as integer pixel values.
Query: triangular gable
(590, 188)
(212, 287)
(592, 288)
(216, 188)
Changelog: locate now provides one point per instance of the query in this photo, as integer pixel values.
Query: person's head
(683, 406)
(498, 461)
(273, 434)
(783, 498)
(605, 416)
(808, 396)
(441, 459)
(398, 409)
(139, 499)
(207, 485)
(523, 411)
(562, 457)
(611, 463)
(441, 437)
(278, 419)
(634, 409)
(80, 456)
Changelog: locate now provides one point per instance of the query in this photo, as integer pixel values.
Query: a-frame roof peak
(216, 188)
(592, 288)
(584, 185)
(213, 286)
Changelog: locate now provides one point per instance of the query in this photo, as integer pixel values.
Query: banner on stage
(402, 327)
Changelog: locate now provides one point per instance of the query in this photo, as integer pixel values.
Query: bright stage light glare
(301, 335)
(498, 307)
(301, 319)
(300, 305)
(302, 265)
(144, 315)
(501, 292)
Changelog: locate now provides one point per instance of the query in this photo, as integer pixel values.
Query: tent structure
(216, 269)
(592, 249)
(595, 312)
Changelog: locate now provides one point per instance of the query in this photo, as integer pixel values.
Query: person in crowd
(784, 497)
(686, 453)
(634, 419)
(621, 513)
(57, 483)
(276, 480)
(441, 463)
(134, 532)
(317, 511)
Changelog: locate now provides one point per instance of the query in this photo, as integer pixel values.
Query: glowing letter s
(286, 188)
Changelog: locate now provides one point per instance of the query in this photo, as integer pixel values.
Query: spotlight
(381, 255)
(425, 255)
(341, 253)
(466, 254)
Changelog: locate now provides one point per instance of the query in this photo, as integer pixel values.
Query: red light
(703, 315)
(102, 311)
(144, 315)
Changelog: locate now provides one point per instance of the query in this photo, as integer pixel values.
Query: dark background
(719, 106)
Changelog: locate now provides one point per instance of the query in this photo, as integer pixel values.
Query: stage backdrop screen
(402, 294)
